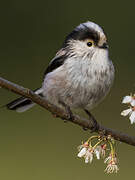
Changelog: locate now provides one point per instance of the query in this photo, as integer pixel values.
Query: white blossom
(97, 152)
(126, 112)
(82, 152)
(86, 152)
(89, 156)
(129, 100)
(111, 162)
(132, 117)
(108, 159)
(133, 102)
(111, 158)
(112, 168)
(91, 149)
(82, 149)
(100, 151)
(131, 113)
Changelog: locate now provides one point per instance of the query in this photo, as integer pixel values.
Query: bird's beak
(104, 46)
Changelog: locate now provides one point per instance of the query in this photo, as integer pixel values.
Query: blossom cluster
(98, 150)
(130, 100)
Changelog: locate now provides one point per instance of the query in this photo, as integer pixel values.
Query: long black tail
(22, 104)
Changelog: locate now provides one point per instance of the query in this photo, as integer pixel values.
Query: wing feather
(56, 62)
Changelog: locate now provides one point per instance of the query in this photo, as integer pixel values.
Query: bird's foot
(68, 111)
(95, 125)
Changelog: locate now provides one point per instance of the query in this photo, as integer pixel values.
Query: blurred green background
(34, 145)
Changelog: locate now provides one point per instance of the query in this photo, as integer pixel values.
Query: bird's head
(86, 40)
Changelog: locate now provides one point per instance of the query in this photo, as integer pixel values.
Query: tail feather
(19, 103)
(22, 104)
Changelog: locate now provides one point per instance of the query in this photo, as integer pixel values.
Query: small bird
(79, 76)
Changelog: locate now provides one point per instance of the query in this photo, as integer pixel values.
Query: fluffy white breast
(87, 69)
(90, 79)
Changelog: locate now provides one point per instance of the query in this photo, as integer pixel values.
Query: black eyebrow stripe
(83, 34)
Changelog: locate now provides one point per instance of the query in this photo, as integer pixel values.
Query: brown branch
(85, 123)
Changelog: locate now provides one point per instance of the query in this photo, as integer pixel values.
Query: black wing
(55, 63)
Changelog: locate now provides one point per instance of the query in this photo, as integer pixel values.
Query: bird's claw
(94, 123)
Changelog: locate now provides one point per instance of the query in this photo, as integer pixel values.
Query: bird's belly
(95, 95)
(87, 96)
(77, 91)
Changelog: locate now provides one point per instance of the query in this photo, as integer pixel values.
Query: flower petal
(112, 168)
(126, 112)
(132, 117)
(108, 159)
(97, 154)
(133, 102)
(127, 99)
(86, 159)
(98, 151)
(91, 158)
(82, 152)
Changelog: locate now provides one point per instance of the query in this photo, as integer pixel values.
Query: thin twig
(83, 122)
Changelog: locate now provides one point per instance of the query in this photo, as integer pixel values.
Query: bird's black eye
(89, 43)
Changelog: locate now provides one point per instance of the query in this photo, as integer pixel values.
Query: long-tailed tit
(81, 73)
